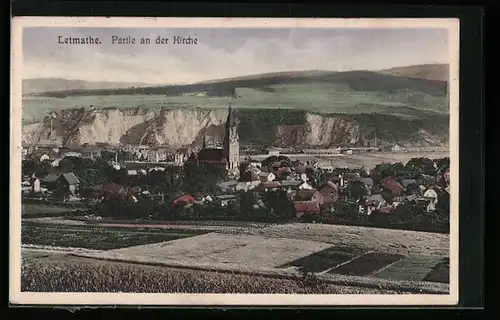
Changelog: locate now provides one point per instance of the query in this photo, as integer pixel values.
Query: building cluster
(311, 187)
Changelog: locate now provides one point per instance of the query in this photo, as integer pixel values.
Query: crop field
(61, 273)
(33, 209)
(232, 256)
(95, 237)
(315, 97)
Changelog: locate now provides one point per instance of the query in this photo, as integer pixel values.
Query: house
(301, 169)
(407, 182)
(330, 193)
(183, 200)
(255, 164)
(226, 199)
(49, 181)
(309, 195)
(366, 181)
(70, 182)
(397, 148)
(228, 186)
(112, 191)
(283, 172)
(91, 152)
(249, 176)
(375, 199)
(393, 186)
(306, 207)
(35, 184)
(182, 155)
(157, 155)
(246, 185)
(291, 184)
(267, 176)
(432, 196)
(267, 186)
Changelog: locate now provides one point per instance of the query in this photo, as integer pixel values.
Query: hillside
(439, 72)
(39, 85)
(318, 108)
(360, 81)
(287, 128)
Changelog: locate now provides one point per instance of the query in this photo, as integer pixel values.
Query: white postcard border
(18, 297)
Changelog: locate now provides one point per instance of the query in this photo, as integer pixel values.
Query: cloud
(225, 53)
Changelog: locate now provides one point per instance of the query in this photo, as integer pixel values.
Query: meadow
(314, 97)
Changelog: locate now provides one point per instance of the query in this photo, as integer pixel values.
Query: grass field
(98, 238)
(60, 273)
(314, 97)
(32, 209)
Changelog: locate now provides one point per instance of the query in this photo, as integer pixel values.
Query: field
(33, 209)
(367, 160)
(314, 97)
(95, 237)
(343, 256)
(74, 274)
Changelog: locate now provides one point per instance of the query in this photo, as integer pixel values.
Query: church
(229, 155)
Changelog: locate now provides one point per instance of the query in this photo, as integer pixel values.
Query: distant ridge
(423, 78)
(38, 85)
(440, 72)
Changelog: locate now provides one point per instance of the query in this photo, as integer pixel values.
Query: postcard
(234, 162)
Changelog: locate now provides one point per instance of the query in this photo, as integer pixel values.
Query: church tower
(232, 143)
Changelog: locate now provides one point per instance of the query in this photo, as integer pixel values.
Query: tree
(357, 190)
(384, 170)
(29, 167)
(421, 166)
(202, 179)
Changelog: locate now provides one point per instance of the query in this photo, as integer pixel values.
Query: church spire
(231, 118)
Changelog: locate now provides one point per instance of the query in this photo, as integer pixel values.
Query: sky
(224, 52)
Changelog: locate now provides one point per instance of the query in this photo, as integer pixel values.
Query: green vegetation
(96, 237)
(260, 127)
(71, 274)
(40, 209)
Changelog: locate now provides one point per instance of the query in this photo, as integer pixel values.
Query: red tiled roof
(305, 195)
(306, 207)
(184, 199)
(393, 186)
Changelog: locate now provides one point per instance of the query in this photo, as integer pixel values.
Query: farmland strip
(366, 264)
(413, 268)
(320, 261)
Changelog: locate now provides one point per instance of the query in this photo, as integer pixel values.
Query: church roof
(211, 154)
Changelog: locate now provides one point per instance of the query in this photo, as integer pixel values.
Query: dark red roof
(306, 207)
(184, 199)
(113, 189)
(393, 186)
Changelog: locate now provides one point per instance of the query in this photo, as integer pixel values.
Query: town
(216, 181)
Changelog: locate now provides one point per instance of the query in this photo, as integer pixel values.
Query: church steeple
(231, 118)
(232, 142)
